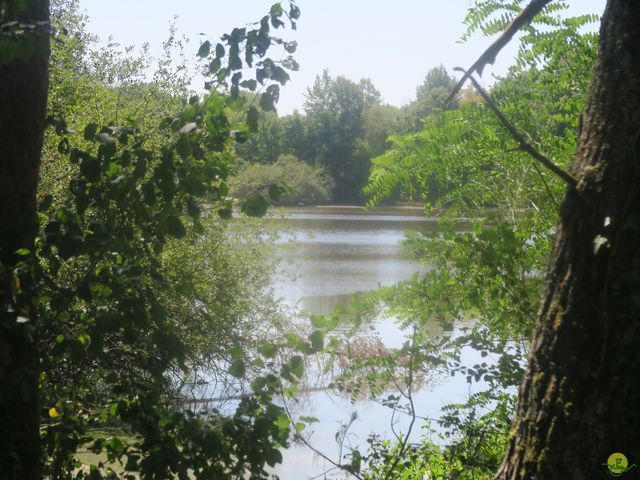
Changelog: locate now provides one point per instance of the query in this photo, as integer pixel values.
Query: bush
(303, 183)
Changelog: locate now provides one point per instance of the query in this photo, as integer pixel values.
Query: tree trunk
(580, 399)
(23, 95)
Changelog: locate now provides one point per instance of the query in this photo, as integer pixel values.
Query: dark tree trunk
(23, 95)
(580, 400)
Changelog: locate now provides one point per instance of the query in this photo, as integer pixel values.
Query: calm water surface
(340, 251)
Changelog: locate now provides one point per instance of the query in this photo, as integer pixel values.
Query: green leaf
(249, 84)
(223, 190)
(237, 353)
(215, 65)
(235, 63)
(175, 227)
(219, 50)
(320, 321)
(237, 368)
(282, 421)
(276, 10)
(309, 419)
(267, 102)
(297, 366)
(295, 341)
(116, 446)
(198, 227)
(294, 12)
(204, 49)
(45, 203)
(252, 119)
(274, 91)
(317, 340)
(280, 75)
(90, 131)
(291, 64)
(90, 168)
(222, 74)
(63, 146)
(268, 350)
(254, 206)
(225, 213)
(272, 457)
(276, 191)
(183, 146)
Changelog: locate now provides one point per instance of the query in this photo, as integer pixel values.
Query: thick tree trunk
(23, 95)
(580, 400)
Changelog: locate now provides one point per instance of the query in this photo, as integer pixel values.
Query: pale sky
(392, 43)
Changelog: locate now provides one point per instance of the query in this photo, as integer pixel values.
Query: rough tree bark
(580, 400)
(23, 95)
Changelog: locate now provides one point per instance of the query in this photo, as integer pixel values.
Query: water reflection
(340, 252)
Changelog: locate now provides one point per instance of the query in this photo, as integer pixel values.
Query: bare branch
(345, 468)
(490, 54)
(409, 395)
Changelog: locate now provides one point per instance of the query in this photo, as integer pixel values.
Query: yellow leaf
(53, 413)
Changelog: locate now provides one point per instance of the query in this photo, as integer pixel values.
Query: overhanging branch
(523, 143)
(490, 54)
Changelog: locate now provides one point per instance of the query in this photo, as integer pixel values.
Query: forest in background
(122, 283)
(344, 124)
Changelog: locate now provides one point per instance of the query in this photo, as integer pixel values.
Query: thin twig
(346, 468)
(409, 395)
(490, 54)
(393, 416)
(546, 186)
(523, 144)
(400, 410)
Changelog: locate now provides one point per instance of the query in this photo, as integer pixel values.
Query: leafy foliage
(287, 182)
(343, 126)
(431, 95)
(475, 435)
(498, 215)
(126, 313)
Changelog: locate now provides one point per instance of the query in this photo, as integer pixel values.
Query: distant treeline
(344, 124)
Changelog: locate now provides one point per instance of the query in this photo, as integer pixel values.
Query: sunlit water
(338, 252)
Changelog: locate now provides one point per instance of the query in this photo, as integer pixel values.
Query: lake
(340, 251)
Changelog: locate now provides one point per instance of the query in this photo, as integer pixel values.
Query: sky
(394, 43)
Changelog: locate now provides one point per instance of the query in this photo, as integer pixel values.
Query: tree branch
(409, 395)
(546, 186)
(490, 54)
(345, 468)
(523, 143)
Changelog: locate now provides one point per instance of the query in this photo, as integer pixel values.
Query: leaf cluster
(127, 309)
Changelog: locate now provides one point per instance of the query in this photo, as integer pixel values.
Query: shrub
(303, 183)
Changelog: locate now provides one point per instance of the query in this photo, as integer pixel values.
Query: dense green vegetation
(463, 163)
(343, 126)
(299, 182)
(126, 293)
(136, 291)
